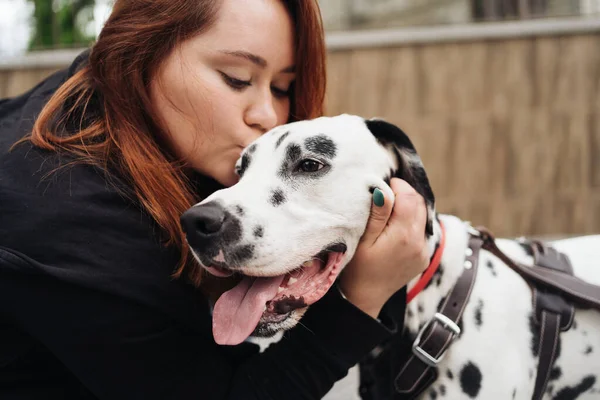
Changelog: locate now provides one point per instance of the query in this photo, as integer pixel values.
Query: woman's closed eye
(234, 83)
(239, 84)
(279, 92)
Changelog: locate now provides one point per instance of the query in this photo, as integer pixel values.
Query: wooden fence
(508, 126)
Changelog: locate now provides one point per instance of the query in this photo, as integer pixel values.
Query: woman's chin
(224, 176)
(228, 180)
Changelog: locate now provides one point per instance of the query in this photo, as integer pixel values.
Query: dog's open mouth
(238, 311)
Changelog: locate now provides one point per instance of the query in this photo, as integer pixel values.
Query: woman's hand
(390, 253)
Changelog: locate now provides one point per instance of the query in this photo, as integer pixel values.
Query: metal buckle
(422, 354)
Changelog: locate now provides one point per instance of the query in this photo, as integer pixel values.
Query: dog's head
(296, 216)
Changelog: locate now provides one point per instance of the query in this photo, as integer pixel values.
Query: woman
(99, 296)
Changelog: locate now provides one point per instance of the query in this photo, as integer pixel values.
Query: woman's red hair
(124, 132)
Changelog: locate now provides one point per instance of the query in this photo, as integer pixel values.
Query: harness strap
(568, 285)
(552, 313)
(549, 334)
(437, 335)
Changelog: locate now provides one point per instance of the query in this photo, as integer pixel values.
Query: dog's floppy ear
(410, 168)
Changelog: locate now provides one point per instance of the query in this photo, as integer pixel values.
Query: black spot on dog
(535, 336)
(449, 374)
(245, 163)
(241, 254)
(570, 393)
(293, 152)
(555, 373)
(574, 327)
(258, 232)
(432, 394)
(239, 210)
(277, 197)
(442, 390)
(409, 313)
(439, 273)
(252, 148)
(321, 145)
(490, 265)
(530, 373)
(420, 308)
(514, 393)
(588, 350)
(478, 313)
(281, 139)
(550, 389)
(470, 380)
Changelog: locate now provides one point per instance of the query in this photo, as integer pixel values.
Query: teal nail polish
(378, 198)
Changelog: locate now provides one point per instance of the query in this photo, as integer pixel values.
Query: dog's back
(577, 368)
(496, 355)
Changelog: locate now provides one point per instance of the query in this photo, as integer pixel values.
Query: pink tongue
(238, 310)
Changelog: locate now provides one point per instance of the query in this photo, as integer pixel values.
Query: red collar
(433, 266)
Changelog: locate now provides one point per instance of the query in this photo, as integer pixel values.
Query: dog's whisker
(305, 327)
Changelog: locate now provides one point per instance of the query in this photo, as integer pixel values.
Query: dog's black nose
(203, 224)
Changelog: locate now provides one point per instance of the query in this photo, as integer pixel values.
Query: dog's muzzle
(214, 235)
(209, 228)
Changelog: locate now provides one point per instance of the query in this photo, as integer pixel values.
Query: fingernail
(378, 198)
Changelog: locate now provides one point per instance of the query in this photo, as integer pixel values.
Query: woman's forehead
(260, 27)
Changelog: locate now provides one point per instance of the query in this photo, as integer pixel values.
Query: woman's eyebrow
(255, 59)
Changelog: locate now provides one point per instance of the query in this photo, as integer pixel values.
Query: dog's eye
(309, 165)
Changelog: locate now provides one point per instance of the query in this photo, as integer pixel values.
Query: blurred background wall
(501, 97)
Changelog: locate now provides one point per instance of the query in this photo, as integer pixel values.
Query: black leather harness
(555, 291)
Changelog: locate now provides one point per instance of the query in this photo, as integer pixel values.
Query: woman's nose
(261, 114)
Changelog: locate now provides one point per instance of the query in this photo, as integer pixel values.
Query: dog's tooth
(280, 289)
(292, 280)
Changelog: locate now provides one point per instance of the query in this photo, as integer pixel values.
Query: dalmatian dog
(294, 220)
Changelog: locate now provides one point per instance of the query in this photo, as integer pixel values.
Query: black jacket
(88, 308)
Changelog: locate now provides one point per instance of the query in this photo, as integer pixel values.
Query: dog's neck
(434, 240)
(422, 308)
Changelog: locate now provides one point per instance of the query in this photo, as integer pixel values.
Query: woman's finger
(381, 208)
